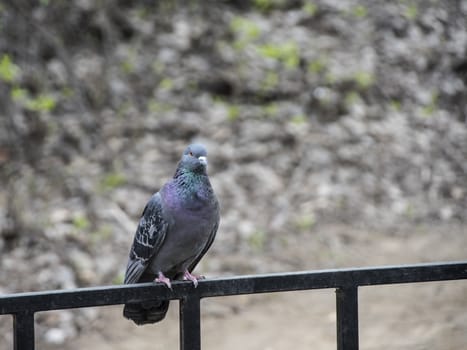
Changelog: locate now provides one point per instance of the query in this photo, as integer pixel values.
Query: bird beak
(203, 160)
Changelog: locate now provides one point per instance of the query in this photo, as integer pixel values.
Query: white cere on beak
(203, 160)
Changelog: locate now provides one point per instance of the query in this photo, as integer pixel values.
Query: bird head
(194, 158)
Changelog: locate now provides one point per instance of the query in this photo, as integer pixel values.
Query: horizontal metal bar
(278, 282)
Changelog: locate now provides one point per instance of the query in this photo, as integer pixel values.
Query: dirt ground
(416, 316)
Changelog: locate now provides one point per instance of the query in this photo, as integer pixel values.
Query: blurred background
(337, 137)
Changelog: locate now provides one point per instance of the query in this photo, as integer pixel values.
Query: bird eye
(191, 153)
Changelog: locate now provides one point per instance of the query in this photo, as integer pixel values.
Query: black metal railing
(346, 282)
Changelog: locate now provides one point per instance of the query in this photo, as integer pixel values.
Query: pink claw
(187, 276)
(162, 279)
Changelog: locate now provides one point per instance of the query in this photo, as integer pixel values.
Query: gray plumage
(177, 227)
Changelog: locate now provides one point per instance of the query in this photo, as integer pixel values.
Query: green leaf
(286, 53)
(310, 8)
(411, 12)
(81, 222)
(429, 109)
(166, 84)
(271, 110)
(270, 81)
(351, 98)
(317, 66)
(233, 112)
(8, 70)
(245, 27)
(263, 5)
(360, 11)
(395, 105)
(118, 279)
(299, 119)
(19, 95)
(257, 240)
(42, 103)
(305, 222)
(113, 180)
(364, 79)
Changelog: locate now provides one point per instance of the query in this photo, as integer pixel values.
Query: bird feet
(187, 276)
(162, 279)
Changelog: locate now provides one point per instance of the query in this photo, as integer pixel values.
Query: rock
(83, 266)
(55, 336)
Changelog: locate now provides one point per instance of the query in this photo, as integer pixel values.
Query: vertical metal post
(347, 318)
(190, 323)
(23, 331)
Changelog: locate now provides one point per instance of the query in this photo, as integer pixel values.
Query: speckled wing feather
(149, 237)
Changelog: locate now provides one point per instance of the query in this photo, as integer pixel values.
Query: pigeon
(177, 227)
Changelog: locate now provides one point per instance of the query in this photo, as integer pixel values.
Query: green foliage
(411, 11)
(364, 79)
(271, 81)
(19, 95)
(81, 222)
(123, 108)
(359, 11)
(410, 211)
(395, 105)
(112, 180)
(287, 53)
(317, 66)
(233, 112)
(158, 67)
(310, 8)
(143, 12)
(245, 31)
(351, 98)
(263, 5)
(158, 107)
(245, 27)
(257, 240)
(118, 279)
(270, 110)
(430, 108)
(305, 222)
(41, 103)
(9, 71)
(299, 119)
(67, 92)
(268, 5)
(127, 66)
(166, 84)
(330, 78)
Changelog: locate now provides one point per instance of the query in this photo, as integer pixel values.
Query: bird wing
(149, 237)
(206, 247)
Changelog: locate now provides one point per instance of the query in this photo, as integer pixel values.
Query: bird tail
(145, 313)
